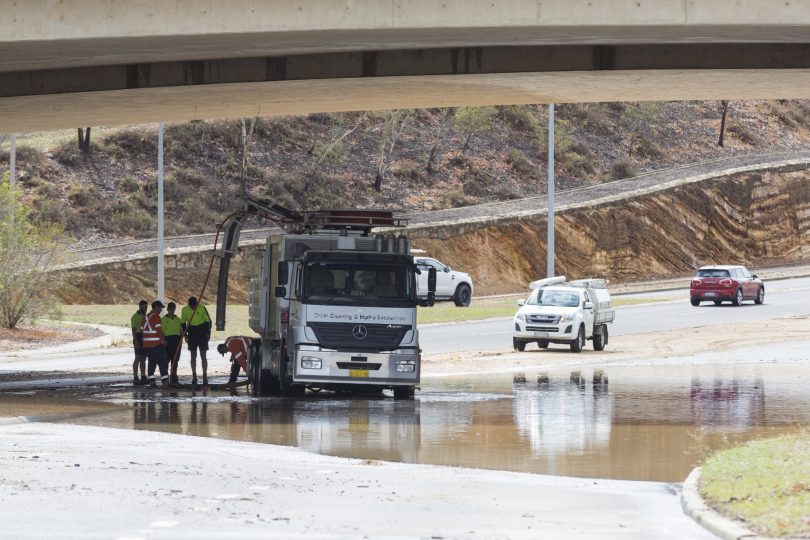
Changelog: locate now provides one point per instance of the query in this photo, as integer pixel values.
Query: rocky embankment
(754, 211)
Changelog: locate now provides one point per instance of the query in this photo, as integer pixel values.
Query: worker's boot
(136, 381)
(175, 380)
(144, 381)
(164, 383)
(194, 380)
(152, 382)
(205, 380)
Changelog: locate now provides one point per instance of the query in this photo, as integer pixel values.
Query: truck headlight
(521, 317)
(311, 362)
(566, 318)
(405, 366)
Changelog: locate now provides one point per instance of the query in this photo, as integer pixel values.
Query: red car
(718, 283)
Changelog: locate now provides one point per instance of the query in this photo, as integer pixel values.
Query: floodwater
(627, 422)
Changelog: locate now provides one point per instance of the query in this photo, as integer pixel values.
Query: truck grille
(548, 319)
(359, 336)
(542, 328)
(373, 366)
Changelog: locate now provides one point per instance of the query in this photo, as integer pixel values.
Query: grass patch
(766, 483)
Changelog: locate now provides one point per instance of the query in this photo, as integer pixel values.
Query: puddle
(626, 422)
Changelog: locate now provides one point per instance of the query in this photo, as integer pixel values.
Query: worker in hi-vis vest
(155, 344)
(196, 324)
(173, 333)
(238, 346)
(137, 343)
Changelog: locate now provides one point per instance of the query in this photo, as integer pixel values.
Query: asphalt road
(783, 298)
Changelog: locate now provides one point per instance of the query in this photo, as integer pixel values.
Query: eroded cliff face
(753, 218)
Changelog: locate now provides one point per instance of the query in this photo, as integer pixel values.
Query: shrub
(746, 135)
(409, 171)
(456, 198)
(129, 142)
(83, 197)
(27, 251)
(68, 153)
(519, 163)
(624, 168)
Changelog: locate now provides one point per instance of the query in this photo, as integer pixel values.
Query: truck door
(587, 313)
(445, 284)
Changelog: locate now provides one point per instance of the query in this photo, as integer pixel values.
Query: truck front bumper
(544, 331)
(321, 367)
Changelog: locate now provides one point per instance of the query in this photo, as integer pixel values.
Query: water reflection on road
(644, 423)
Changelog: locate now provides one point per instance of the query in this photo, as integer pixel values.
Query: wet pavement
(635, 421)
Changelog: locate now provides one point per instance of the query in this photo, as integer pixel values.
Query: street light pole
(550, 198)
(12, 160)
(160, 258)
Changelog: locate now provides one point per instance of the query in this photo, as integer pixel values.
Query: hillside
(332, 160)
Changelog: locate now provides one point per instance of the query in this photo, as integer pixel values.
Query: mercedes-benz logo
(359, 332)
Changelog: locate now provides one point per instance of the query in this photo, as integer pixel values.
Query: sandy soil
(27, 336)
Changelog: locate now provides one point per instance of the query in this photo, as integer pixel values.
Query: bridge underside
(80, 94)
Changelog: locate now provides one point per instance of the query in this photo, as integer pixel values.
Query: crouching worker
(154, 343)
(238, 346)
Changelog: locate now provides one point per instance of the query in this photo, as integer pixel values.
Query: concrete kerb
(694, 507)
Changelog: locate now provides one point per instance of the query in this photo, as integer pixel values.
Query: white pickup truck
(568, 312)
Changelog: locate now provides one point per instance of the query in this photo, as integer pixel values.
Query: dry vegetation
(332, 160)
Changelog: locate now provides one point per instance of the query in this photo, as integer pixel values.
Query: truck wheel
(463, 295)
(403, 392)
(285, 384)
(760, 296)
(518, 344)
(579, 343)
(600, 340)
(543, 344)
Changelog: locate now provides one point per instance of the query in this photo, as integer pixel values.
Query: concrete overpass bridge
(99, 62)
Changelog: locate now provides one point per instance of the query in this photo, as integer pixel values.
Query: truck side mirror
(521, 302)
(283, 273)
(588, 305)
(281, 291)
(432, 281)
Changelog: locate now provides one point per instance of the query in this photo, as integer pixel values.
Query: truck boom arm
(230, 243)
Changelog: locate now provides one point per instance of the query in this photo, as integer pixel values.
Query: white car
(564, 312)
(450, 285)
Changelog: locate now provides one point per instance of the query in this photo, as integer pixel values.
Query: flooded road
(623, 422)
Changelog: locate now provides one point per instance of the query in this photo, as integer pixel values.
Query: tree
(437, 141)
(393, 126)
(27, 251)
(84, 140)
(723, 104)
(471, 120)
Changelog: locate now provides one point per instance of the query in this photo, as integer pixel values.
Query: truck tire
(579, 343)
(760, 296)
(518, 344)
(463, 295)
(285, 384)
(404, 392)
(261, 380)
(601, 339)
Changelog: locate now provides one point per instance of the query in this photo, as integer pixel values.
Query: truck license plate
(709, 294)
(541, 334)
(360, 373)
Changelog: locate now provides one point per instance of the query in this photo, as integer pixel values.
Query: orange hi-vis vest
(150, 327)
(238, 347)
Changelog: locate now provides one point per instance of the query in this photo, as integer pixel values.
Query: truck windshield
(555, 298)
(358, 283)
